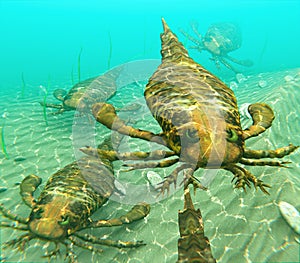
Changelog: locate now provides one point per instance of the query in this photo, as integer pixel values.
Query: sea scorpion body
(87, 92)
(200, 121)
(219, 40)
(65, 206)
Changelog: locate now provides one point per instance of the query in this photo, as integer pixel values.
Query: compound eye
(232, 135)
(192, 135)
(64, 221)
(38, 213)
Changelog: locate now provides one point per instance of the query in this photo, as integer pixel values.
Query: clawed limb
(114, 155)
(8, 214)
(143, 165)
(244, 177)
(13, 226)
(194, 40)
(245, 63)
(106, 114)
(28, 187)
(189, 178)
(138, 212)
(198, 41)
(223, 59)
(263, 163)
(278, 153)
(19, 243)
(54, 253)
(70, 256)
(51, 105)
(259, 154)
(60, 107)
(172, 179)
(227, 64)
(262, 116)
(107, 242)
(77, 241)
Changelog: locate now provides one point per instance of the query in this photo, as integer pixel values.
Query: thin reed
(3, 145)
(78, 64)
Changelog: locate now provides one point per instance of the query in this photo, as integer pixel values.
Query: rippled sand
(242, 227)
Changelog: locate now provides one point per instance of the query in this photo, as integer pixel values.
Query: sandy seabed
(242, 227)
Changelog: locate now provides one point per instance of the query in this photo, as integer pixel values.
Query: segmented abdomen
(181, 91)
(182, 88)
(79, 185)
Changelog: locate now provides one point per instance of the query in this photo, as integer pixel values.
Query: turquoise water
(47, 45)
(42, 38)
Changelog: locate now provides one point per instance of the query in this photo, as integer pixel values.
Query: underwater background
(47, 45)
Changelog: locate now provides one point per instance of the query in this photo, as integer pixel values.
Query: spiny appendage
(262, 116)
(278, 153)
(52, 105)
(13, 226)
(244, 177)
(8, 214)
(193, 245)
(198, 41)
(27, 188)
(114, 155)
(138, 212)
(55, 252)
(106, 114)
(263, 163)
(70, 256)
(144, 165)
(139, 156)
(77, 241)
(107, 242)
(22, 242)
(170, 179)
(19, 243)
(187, 179)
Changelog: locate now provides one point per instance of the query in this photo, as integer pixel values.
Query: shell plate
(222, 38)
(193, 107)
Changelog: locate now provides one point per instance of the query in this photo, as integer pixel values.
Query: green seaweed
(3, 145)
(72, 77)
(78, 64)
(110, 51)
(23, 85)
(44, 108)
(45, 102)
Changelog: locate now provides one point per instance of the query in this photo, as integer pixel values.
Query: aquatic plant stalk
(3, 145)
(78, 64)
(110, 51)
(44, 101)
(44, 108)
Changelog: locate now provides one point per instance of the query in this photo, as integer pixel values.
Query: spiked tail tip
(171, 48)
(165, 26)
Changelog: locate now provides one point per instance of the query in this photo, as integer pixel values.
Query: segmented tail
(193, 245)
